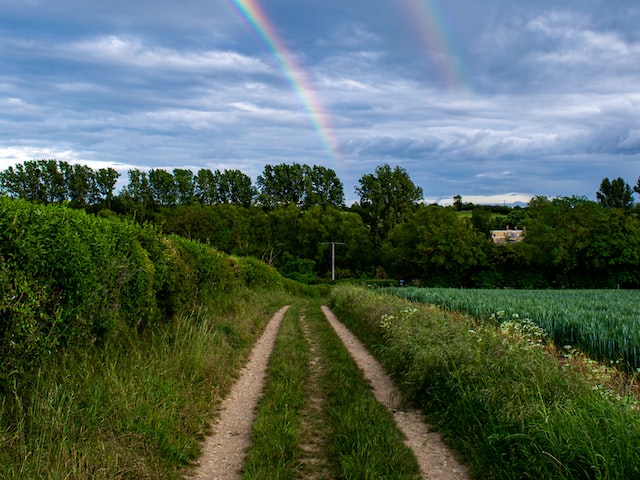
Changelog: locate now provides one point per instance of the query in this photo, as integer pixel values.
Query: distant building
(502, 237)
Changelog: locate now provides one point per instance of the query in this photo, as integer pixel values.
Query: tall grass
(363, 441)
(134, 407)
(509, 408)
(603, 323)
(276, 429)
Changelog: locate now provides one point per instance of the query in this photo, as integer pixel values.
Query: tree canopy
(293, 213)
(388, 197)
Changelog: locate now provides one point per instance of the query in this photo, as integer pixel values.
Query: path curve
(224, 451)
(435, 459)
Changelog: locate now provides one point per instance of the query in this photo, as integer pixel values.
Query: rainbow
(431, 27)
(251, 11)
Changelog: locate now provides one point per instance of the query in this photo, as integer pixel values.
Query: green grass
(507, 406)
(135, 407)
(602, 323)
(276, 429)
(362, 441)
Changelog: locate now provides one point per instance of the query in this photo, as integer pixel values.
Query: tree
(184, 186)
(457, 202)
(482, 221)
(281, 185)
(559, 234)
(53, 180)
(81, 183)
(434, 245)
(234, 187)
(389, 196)
(163, 187)
(106, 179)
(206, 186)
(137, 195)
(25, 181)
(615, 194)
(322, 187)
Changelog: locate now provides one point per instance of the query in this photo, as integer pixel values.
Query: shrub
(252, 273)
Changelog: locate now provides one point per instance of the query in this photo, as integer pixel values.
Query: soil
(224, 451)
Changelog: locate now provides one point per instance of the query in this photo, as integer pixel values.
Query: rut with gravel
(224, 451)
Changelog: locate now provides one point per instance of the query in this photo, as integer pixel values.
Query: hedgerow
(69, 279)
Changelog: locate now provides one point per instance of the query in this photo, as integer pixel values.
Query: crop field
(604, 324)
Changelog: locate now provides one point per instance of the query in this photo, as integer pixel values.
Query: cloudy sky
(496, 100)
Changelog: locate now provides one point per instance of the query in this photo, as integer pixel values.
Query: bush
(69, 279)
(252, 273)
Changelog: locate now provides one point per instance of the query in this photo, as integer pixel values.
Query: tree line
(293, 210)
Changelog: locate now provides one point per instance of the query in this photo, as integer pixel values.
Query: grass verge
(508, 407)
(136, 406)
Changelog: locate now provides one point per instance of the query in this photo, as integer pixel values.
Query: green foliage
(136, 406)
(573, 242)
(434, 245)
(227, 187)
(281, 185)
(603, 323)
(299, 185)
(570, 242)
(211, 270)
(50, 181)
(505, 405)
(387, 196)
(615, 193)
(69, 279)
(253, 273)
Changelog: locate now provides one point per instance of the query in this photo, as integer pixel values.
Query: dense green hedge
(68, 279)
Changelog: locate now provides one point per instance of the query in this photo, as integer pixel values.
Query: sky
(496, 101)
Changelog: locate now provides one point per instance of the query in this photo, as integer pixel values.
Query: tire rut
(435, 459)
(224, 451)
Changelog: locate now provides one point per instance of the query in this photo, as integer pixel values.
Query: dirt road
(223, 452)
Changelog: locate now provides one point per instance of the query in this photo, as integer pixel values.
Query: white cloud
(12, 155)
(130, 51)
(511, 198)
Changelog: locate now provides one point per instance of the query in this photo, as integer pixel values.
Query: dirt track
(223, 452)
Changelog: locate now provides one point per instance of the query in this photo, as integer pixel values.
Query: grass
(362, 440)
(509, 408)
(602, 323)
(135, 407)
(276, 429)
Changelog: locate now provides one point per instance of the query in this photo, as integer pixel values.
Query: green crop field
(603, 323)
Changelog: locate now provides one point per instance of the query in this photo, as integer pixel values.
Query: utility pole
(333, 257)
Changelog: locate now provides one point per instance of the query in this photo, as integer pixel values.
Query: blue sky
(496, 101)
